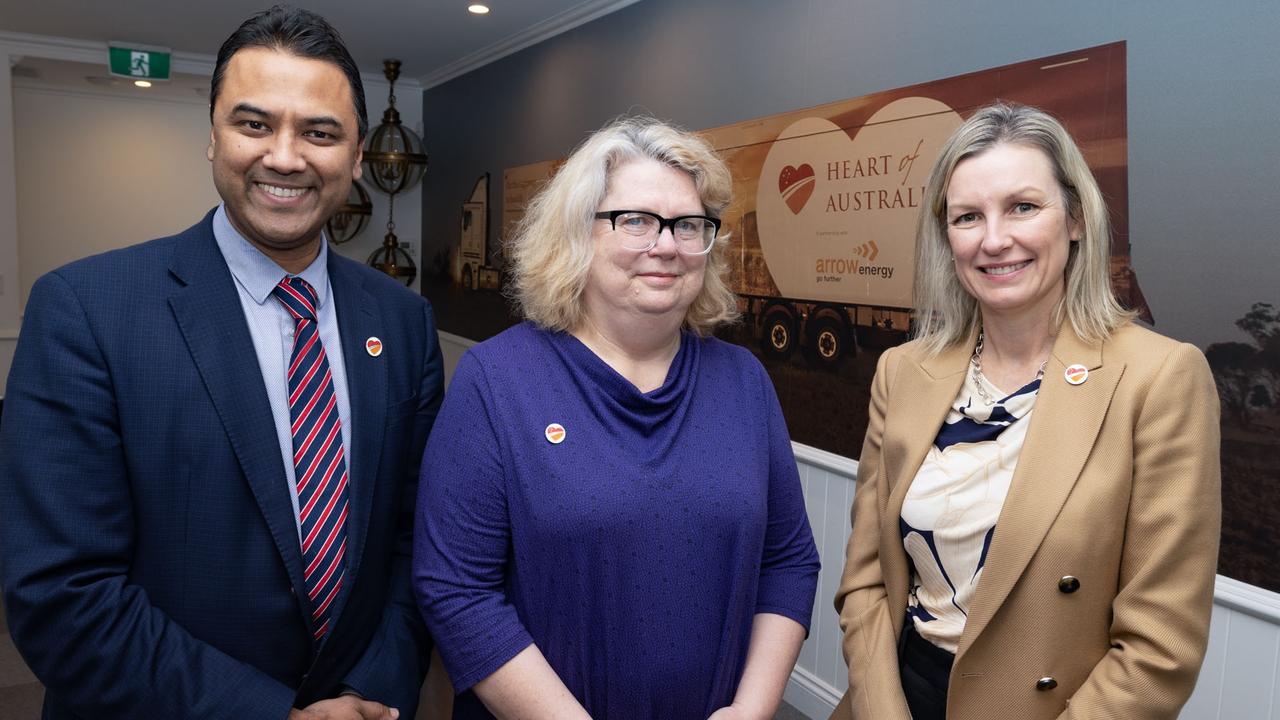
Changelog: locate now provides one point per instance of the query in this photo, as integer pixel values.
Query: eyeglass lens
(639, 230)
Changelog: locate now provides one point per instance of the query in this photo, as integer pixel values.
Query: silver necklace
(975, 367)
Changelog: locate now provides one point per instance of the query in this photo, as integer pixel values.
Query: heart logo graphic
(796, 185)
(860, 212)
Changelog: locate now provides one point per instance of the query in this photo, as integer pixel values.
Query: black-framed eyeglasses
(639, 230)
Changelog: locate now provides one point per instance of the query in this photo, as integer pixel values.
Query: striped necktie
(319, 461)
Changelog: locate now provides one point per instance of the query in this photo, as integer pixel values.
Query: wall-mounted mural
(822, 255)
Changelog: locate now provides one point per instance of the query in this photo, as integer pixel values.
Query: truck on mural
(827, 199)
(823, 247)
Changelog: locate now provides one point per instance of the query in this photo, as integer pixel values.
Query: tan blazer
(1117, 486)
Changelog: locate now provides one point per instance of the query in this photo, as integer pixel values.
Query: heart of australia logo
(555, 433)
(1077, 374)
(796, 185)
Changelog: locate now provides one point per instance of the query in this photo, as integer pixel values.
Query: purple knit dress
(634, 552)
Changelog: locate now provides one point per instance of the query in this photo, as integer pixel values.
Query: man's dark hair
(298, 32)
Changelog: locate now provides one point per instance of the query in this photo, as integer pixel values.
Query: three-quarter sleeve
(462, 536)
(789, 564)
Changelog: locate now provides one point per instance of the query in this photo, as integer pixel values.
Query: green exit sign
(140, 62)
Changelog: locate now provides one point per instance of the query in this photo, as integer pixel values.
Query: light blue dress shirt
(272, 327)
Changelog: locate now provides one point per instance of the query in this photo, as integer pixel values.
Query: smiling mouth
(1005, 269)
(281, 192)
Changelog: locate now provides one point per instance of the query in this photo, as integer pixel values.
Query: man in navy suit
(211, 441)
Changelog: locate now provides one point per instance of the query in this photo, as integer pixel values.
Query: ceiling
(434, 39)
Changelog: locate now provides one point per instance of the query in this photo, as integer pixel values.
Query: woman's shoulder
(728, 364)
(514, 350)
(914, 350)
(1152, 360)
(721, 356)
(1141, 348)
(508, 345)
(723, 350)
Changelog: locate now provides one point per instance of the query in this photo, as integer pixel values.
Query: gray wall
(1204, 109)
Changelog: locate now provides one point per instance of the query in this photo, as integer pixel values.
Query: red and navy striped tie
(318, 458)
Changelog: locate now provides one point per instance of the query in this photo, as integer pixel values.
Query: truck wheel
(830, 341)
(468, 280)
(778, 336)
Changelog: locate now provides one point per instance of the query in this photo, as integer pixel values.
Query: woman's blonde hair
(945, 312)
(550, 252)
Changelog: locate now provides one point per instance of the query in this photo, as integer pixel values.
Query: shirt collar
(259, 274)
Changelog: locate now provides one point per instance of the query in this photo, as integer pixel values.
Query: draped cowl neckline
(616, 400)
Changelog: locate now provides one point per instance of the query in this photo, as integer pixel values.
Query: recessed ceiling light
(478, 9)
(142, 83)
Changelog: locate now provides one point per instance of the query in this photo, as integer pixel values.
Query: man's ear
(212, 141)
(358, 170)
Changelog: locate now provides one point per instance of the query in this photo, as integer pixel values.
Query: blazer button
(1045, 684)
(1069, 584)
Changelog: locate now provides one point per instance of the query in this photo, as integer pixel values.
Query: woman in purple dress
(610, 521)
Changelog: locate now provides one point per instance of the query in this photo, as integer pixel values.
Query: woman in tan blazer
(1047, 552)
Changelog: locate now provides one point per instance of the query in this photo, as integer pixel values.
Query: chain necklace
(975, 367)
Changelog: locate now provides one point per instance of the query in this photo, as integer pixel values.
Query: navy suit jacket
(150, 556)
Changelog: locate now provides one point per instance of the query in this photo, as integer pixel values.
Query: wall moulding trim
(818, 687)
(63, 91)
(549, 28)
(829, 461)
(1249, 599)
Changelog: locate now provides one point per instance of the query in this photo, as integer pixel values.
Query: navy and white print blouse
(950, 511)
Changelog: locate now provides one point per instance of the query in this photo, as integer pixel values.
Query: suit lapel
(358, 320)
(1064, 425)
(208, 312)
(919, 400)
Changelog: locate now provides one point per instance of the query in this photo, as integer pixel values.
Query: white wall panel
(1249, 672)
(81, 195)
(1208, 693)
(810, 478)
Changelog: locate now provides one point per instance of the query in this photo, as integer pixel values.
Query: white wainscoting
(1241, 672)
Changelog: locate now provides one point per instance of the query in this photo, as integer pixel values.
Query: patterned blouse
(950, 512)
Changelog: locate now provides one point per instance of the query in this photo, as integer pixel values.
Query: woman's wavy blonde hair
(550, 252)
(946, 313)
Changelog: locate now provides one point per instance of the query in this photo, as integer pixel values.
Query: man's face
(284, 149)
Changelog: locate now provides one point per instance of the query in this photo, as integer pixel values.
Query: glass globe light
(350, 219)
(393, 155)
